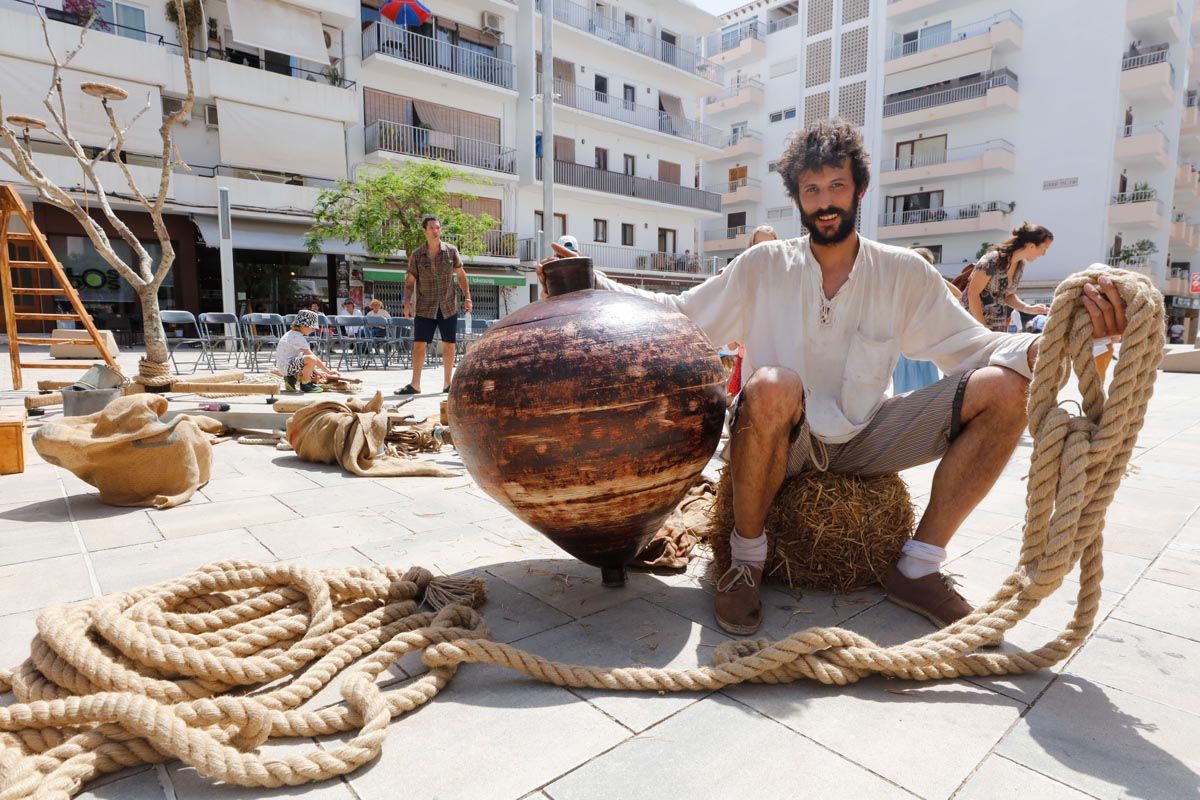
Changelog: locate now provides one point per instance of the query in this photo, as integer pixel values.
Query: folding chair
(348, 343)
(215, 333)
(375, 328)
(180, 320)
(259, 331)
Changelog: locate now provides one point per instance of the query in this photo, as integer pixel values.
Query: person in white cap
(569, 242)
(296, 360)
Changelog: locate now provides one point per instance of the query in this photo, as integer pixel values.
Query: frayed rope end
(441, 592)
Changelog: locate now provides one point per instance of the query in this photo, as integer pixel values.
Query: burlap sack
(129, 454)
(671, 546)
(353, 434)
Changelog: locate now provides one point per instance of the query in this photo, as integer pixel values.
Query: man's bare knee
(998, 391)
(774, 395)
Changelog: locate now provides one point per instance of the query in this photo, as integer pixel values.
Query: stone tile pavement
(1121, 718)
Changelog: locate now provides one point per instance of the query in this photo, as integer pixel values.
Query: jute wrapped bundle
(831, 532)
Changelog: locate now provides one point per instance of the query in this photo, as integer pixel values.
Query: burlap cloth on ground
(129, 454)
(671, 546)
(353, 433)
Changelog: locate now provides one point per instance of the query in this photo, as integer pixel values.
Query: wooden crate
(12, 440)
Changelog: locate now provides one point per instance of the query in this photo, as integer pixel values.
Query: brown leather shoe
(737, 606)
(933, 596)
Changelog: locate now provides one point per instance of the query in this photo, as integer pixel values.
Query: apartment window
(599, 230)
(630, 97)
(772, 166)
(916, 41)
(630, 23)
(779, 68)
(779, 212)
(666, 240)
(630, 164)
(921, 152)
(601, 83)
(669, 172)
(782, 114)
(906, 209)
(601, 158)
(936, 249)
(627, 234)
(560, 223)
(124, 19)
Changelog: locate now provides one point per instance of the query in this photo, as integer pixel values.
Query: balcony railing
(733, 90)
(724, 187)
(1139, 196)
(720, 41)
(783, 23)
(630, 259)
(943, 214)
(618, 108)
(1159, 128)
(1160, 55)
(586, 19)
(713, 234)
(964, 153)
(928, 41)
(497, 244)
(740, 134)
(602, 180)
(399, 42)
(992, 80)
(409, 140)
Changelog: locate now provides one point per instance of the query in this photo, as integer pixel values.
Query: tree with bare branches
(139, 271)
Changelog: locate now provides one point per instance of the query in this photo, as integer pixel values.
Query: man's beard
(844, 228)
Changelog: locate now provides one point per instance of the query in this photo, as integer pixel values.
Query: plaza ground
(1120, 718)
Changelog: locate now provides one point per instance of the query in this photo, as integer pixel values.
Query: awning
(279, 237)
(278, 26)
(249, 136)
(398, 276)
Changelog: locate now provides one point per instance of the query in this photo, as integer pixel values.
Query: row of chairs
(360, 342)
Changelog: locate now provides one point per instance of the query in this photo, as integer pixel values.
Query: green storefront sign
(398, 276)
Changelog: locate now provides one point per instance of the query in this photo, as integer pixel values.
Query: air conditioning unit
(170, 105)
(210, 116)
(492, 22)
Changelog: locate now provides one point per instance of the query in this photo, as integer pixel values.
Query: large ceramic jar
(589, 415)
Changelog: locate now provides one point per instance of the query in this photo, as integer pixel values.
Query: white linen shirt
(290, 345)
(770, 299)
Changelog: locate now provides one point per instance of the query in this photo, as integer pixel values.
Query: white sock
(918, 559)
(748, 551)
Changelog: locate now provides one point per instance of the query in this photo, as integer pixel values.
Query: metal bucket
(80, 402)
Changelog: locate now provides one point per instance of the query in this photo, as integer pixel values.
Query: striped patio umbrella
(405, 12)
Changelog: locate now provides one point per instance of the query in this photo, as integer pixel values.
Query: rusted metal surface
(589, 415)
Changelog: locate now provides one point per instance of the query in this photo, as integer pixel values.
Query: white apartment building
(787, 63)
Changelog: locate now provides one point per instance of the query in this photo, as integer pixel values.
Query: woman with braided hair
(991, 295)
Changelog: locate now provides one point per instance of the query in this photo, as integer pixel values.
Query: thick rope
(146, 675)
(152, 373)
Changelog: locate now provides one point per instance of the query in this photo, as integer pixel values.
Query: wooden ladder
(12, 209)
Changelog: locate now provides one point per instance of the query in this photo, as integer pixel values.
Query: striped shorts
(908, 430)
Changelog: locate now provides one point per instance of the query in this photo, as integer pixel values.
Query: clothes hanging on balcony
(673, 106)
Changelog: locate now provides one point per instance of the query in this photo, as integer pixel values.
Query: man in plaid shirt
(429, 291)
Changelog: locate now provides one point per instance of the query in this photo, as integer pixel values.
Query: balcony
(900, 8)
(1149, 76)
(1187, 185)
(740, 190)
(392, 137)
(495, 244)
(994, 155)
(1000, 33)
(581, 98)
(617, 259)
(746, 42)
(586, 19)
(1140, 208)
(990, 215)
(1144, 144)
(568, 173)
(1148, 19)
(1177, 284)
(737, 95)
(719, 239)
(394, 41)
(1184, 235)
(742, 143)
(997, 91)
(783, 23)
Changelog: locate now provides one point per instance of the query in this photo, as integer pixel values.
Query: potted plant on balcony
(85, 13)
(214, 38)
(1137, 253)
(191, 19)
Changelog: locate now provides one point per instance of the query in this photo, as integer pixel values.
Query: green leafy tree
(382, 211)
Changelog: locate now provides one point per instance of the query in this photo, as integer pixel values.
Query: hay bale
(826, 531)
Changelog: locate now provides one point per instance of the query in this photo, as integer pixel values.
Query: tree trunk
(152, 328)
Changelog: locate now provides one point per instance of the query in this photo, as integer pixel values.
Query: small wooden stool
(12, 440)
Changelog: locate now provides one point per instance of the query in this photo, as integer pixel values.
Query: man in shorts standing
(429, 292)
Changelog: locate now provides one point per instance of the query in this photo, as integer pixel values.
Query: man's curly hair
(824, 143)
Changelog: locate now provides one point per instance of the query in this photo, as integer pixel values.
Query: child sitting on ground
(295, 359)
